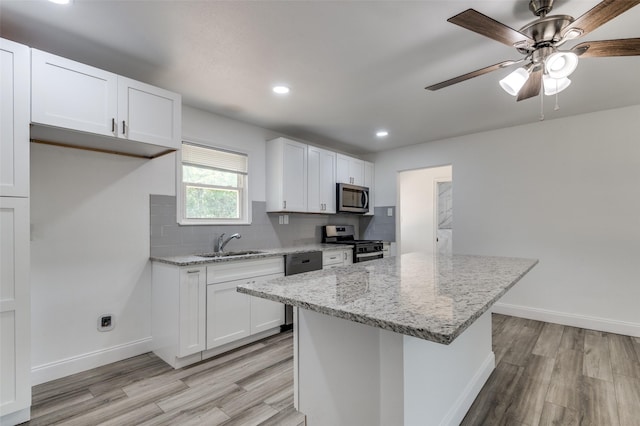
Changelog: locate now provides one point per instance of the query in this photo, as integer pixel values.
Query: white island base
(353, 374)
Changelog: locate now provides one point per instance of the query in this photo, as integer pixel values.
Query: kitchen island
(404, 340)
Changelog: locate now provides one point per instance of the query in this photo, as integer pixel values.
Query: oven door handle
(374, 254)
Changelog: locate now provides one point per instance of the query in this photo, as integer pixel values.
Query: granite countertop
(416, 294)
(197, 260)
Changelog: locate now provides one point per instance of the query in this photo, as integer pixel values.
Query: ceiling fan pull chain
(541, 105)
(557, 106)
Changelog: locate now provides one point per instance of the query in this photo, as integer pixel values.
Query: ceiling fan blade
(600, 14)
(482, 24)
(533, 85)
(604, 48)
(472, 74)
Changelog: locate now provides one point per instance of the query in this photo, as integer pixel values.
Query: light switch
(286, 219)
(280, 219)
(390, 211)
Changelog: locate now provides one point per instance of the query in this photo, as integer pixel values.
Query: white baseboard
(471, 391)
(574, 320)
(65, 367)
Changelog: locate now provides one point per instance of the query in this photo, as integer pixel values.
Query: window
(212, 186)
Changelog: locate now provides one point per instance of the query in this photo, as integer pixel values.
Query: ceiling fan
(546, 66)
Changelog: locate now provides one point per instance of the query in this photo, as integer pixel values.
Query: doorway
(425, 210)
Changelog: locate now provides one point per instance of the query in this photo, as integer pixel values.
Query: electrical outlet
(106, 322)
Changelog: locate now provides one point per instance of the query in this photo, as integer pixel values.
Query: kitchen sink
(230, 253)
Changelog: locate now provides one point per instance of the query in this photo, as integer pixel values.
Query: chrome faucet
(222, 242)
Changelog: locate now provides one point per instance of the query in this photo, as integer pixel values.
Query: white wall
(565, 191)
(416, 208)
(90, 244)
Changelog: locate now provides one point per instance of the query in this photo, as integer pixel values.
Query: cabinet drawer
(332, 258)
(241, 269)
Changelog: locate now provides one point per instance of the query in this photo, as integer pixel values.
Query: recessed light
(60, 1)
(281, 90)
(382, 133)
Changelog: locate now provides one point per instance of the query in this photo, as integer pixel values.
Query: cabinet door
(294, 176)
(368, 182)
(328, 180)
(148, 114)
(192, 311)
(72, 95)
(314, 199)
(321, 185)
(15, 302)
(350, 170)
(228, 313)
(14, 119)
(356, 170)
(265, 314)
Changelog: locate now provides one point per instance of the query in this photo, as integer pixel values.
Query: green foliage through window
(213, 184)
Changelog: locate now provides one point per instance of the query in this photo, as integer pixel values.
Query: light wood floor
(549, 374)
(546, 374)
(252, 385)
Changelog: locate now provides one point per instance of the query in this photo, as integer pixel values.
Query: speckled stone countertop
(197, 260)
(416, 294)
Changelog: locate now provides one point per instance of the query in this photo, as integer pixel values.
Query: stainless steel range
(363, 250)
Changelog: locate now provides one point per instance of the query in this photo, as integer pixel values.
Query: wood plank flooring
(252, 385)
(549, 374)
(546, 374)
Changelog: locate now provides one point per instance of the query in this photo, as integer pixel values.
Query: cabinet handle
(113, 125)
(344, 255)
(193, 271)
(123, 127)
(284, 204)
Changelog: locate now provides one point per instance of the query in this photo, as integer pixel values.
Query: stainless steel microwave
(352, 198)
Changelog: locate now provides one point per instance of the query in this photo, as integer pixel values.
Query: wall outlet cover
(106, 322)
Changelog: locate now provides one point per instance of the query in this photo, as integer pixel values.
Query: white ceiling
(353, 66)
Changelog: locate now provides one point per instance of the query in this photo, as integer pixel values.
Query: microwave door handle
(365, 197)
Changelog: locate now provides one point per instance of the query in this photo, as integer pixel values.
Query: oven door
(363, 257)
(352, 198)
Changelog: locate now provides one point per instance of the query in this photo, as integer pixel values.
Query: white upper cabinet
(286, 176)
(350, 170)
(369, 183)
(14, 119)
(72, 95)
(148, 114)
(321, 185)
(67, 95)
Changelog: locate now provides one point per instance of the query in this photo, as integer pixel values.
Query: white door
(228, 313)
(192, 311)
(314, 199)
(15, 303)
(294, 180)
(14, 119)
(265, 314)
(72, 95)
(148, 114)
(417, 208)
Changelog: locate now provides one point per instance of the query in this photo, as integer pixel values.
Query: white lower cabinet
(228, 314)
(197, 311)
(336, 258)
(231, 315)
(192, 313)
(15, 314)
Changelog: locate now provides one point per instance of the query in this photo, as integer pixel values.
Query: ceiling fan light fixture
(561, 64)
(514, 81)
(553, 86)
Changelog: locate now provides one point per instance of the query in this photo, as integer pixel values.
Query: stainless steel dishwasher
(298, 263)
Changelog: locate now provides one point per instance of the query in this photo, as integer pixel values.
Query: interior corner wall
(209, 129)
(565, 191)
(90, 244)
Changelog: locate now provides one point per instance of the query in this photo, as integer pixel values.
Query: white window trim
(246, 202)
